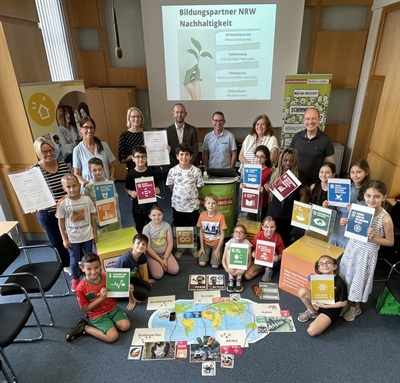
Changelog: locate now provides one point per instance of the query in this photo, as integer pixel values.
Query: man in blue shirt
(219, 146)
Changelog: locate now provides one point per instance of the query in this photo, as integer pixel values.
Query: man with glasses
(219, 146)
(181, 132)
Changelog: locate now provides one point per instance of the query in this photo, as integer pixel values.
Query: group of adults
(219, 150)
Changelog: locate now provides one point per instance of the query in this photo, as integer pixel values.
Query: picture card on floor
(232, 349)
(135, 352)
(159, 351)
(181, 349)
(269, 291)
(201, 353)
(228, 337)
(266, 309)
(143, 335)
(227, 360)
(161, 302)
(208, 369)
(281, 323)
(205, 296)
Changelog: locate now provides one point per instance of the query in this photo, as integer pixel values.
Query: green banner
(303, 91)
(226, 194)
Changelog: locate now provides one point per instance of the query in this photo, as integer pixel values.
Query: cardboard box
(113, 244)
(298, 262)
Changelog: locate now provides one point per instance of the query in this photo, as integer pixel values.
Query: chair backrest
(9, 252)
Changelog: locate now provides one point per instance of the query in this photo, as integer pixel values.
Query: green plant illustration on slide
(192, 77)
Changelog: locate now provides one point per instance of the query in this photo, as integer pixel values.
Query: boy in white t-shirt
(185, 182)
(76, 215)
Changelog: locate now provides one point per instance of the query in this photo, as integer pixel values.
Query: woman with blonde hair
(132, 137)
(52, 171)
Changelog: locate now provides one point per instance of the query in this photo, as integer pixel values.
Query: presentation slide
(223, 55)
(219, 52)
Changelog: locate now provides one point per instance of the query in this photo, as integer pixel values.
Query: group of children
(155, 245)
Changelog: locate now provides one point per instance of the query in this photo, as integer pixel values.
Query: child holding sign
(319, 190)
(238, 236)
(267, 233)
(358, 263)
(324, 314)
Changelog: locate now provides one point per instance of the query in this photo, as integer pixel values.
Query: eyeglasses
(136, 117)
(260, 157)
(140, 157)
(323, 264)
(44, 152)
(239, 232)
(219, 121)
(88, 127)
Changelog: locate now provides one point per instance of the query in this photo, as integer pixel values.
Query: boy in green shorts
(104, 314)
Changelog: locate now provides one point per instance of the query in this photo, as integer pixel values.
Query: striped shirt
(53, 181)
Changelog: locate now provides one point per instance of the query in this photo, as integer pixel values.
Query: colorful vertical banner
(303, 91)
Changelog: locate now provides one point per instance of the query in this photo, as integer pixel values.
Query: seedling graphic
(192, 77)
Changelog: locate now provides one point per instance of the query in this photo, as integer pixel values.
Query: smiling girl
(358, 262)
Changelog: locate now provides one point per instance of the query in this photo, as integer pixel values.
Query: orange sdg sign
(184, 237)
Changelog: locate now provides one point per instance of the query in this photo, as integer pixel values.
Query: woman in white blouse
(260, 134)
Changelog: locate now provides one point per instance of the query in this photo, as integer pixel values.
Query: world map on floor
(196, 320)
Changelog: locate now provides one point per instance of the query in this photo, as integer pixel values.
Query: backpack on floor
(388, 304)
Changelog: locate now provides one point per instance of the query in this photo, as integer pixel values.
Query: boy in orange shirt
(212, 233)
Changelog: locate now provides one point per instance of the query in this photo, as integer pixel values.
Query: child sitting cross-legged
(235, 275)
(105, 316)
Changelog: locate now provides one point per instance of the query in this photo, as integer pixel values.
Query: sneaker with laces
(306, 315)
(239, 286)
(178, 254)
(352, 313)
(267, 274)
(74, 284)
(78, 330)
(343, 310)
(231, 286)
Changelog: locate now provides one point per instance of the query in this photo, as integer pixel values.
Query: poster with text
(105, 202)
(184, 237)
(338, 191)
(117, 283)
(303, 91)
(285, 185)
(145, 189)
(322, 288)
(320, 221)
(252, 175)
(360, 219)
(238, 256)
(264, 253)
(250, 200)
(301, 215)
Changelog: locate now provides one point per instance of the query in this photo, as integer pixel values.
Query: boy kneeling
(104, 314)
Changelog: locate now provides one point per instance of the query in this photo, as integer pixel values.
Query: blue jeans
(49, 222)
(75, 255)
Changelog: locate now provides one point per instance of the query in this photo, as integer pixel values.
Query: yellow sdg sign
(41, 109)
(184, 237)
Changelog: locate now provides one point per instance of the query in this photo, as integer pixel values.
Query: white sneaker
(267, 274)
(178, 254)
(68, 270)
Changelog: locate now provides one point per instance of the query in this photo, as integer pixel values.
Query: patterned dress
(358, 263)
(127, 141)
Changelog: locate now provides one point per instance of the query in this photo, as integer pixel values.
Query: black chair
(392, 285)
(37, 277)
(14, 317)
(390, 255)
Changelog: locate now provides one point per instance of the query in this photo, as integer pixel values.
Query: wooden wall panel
(384, 148)
(345, 2)
(94, 68)
(368, 117)
(338, 132)
(26, 47)
(340, 53)
(83, 13)
(14, 9)
(136, 77)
